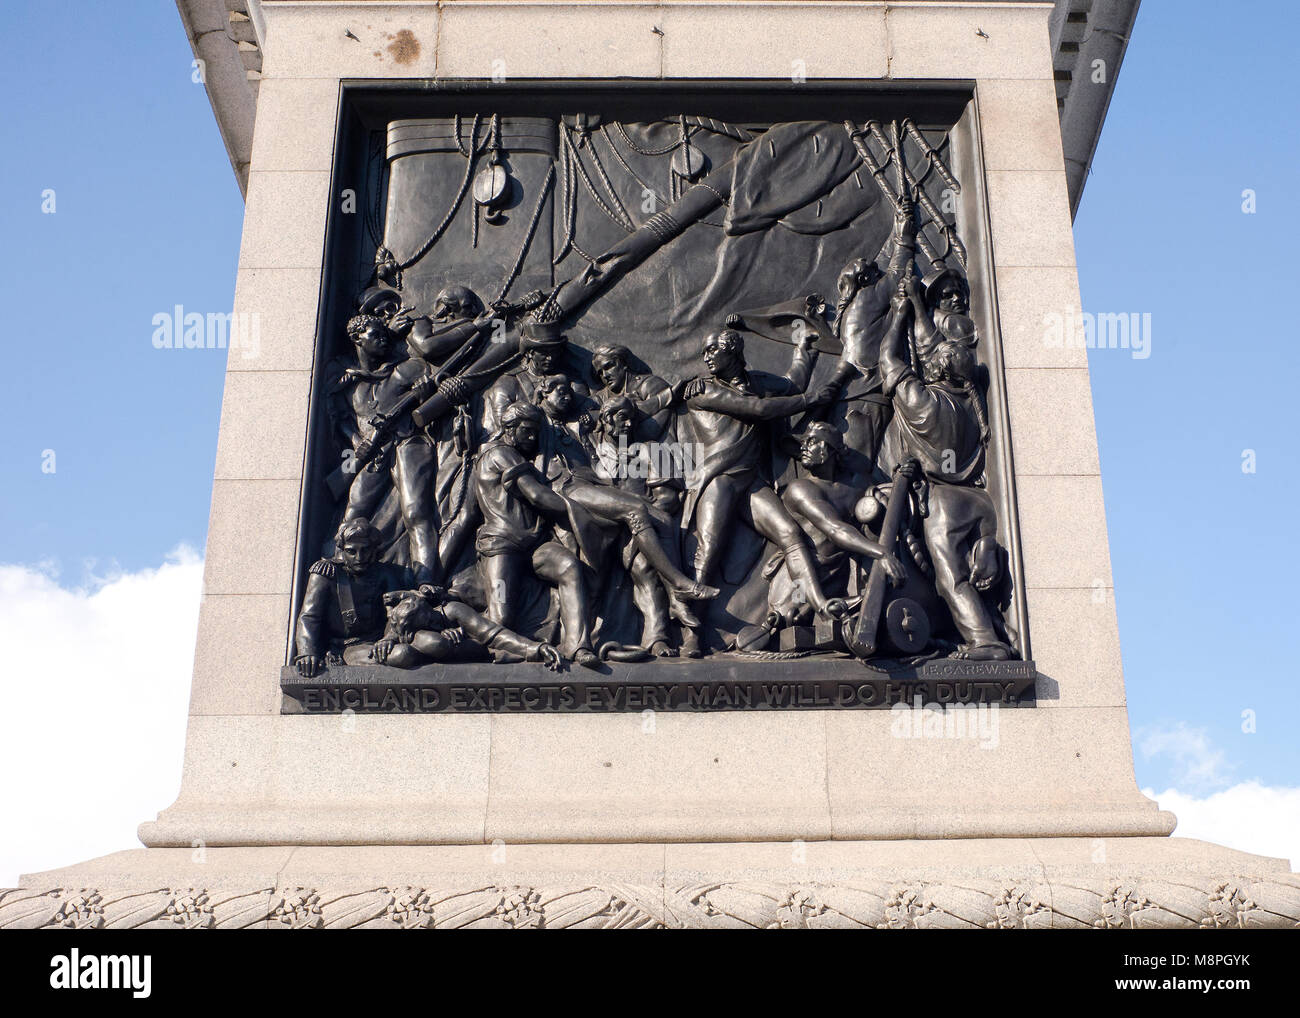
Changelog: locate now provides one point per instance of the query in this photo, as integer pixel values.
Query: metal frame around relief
(541, 645)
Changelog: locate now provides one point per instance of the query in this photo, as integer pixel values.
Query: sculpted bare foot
(836, 608)
(661, 648)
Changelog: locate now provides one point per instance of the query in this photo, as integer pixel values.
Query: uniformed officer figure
(343, 610)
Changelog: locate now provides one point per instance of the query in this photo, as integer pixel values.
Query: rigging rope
(566, 206)
(609, 187)
(427, 246)
(625, 223)
(627, 139)
(660, 200)
(624, 163)
(528, 235)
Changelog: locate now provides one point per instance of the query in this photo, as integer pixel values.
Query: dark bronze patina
(673, 472)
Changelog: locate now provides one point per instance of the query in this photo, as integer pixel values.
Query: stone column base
(1013, 883)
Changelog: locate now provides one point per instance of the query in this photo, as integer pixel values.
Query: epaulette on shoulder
(323, 567)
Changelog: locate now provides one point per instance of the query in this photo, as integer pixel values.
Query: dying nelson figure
(431, 624)
(519, 511)
(358, 609)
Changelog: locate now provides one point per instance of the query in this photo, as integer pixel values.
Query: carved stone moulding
(972, 883)
(1114, 903)
(674, 397)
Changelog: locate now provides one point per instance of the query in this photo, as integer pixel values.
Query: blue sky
(1203, 554)
(148, 216)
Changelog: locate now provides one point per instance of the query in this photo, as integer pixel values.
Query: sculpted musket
(432, 394)
(383, 424)
(455, 389)
(458, 319)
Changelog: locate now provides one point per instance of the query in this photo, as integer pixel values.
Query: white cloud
(1248, 816)
(1194, 761)
(1210, 804)
(96, 684)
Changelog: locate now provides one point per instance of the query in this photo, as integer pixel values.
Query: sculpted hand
(985, 567)
(434, 594)
(365, 450)
(382, 649)
(687, 388)
(905, 216)
(910, 469)
(426, 386)
(901, 297)
(826, 394)
(550, 657)
(893, 569)
(309, 665)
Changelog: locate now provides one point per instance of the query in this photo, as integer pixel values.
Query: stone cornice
(227, 35)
